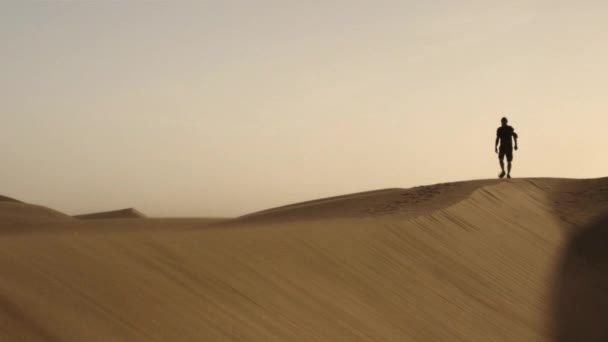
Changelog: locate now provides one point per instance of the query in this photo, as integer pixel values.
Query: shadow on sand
(581, 288)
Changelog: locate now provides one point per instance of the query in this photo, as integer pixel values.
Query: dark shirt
(506, 134)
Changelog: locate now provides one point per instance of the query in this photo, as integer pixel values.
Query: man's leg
(501, 157)
(509, 160)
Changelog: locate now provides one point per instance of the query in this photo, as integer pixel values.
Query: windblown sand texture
(492, 260)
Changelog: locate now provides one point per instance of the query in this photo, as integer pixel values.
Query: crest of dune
(14, 213)
(8, 199)
(116, 214)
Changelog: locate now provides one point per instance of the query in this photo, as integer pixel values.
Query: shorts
(505, 151)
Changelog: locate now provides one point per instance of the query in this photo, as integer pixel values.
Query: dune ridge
(17, 213)
(470, 261)
(395, 202)
(8, 199)
(128, 213)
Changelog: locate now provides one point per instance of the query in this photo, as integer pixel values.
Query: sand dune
(8, 199)
(398, 203)
(15, 213)
(116, 214)
(471, 261)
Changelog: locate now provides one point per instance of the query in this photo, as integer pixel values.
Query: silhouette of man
(505, 134)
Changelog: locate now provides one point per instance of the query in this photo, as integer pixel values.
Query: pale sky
(220, 108)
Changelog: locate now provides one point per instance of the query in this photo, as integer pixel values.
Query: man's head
(504, 121)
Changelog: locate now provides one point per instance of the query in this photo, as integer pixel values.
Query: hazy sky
(213, 108)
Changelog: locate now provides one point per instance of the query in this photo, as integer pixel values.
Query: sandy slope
(473, 261)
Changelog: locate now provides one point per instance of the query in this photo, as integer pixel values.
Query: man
(505, 134)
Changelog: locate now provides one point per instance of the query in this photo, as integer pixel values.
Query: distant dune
(116, 214)
(14, 212)
(490, 260)
(8, 199)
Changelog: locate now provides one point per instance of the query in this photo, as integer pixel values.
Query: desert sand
(488, 260)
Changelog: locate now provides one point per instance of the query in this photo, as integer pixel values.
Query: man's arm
(515, 138)
(496, 143)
